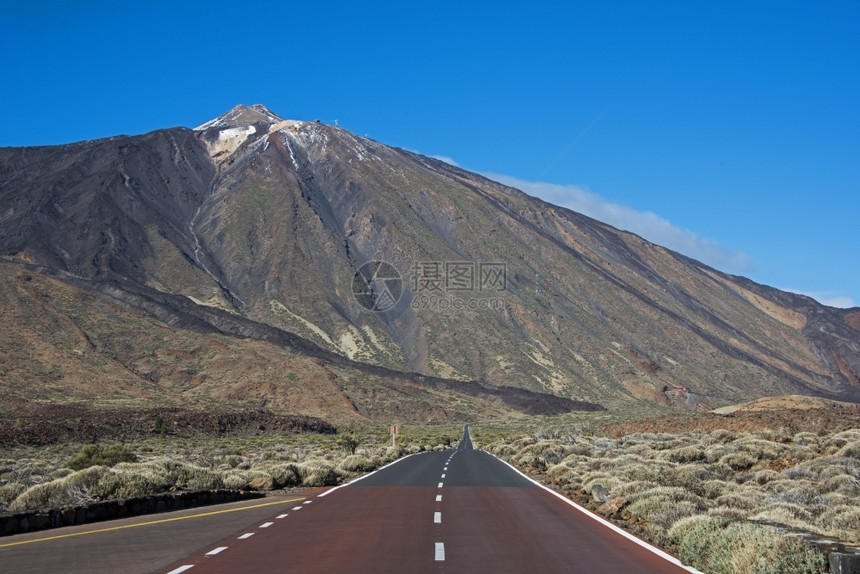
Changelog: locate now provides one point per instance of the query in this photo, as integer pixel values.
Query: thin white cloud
(447, 159)
(647, 224)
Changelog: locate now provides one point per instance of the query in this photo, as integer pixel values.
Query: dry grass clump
(72, 489)
(725, 501)
(717, 546)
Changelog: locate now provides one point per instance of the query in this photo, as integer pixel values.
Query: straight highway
(451, 512)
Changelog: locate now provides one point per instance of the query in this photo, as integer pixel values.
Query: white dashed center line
(298, 507)
(438, 498)
(443, 475)
(440, 485)
(282, 516)
(181, 569)
(440, 552)
(266, 524)
(437, 518)
(246, 535)
(216, 551)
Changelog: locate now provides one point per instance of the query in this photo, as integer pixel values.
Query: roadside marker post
(394, 430)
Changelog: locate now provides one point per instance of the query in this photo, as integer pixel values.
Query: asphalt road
(455, 511)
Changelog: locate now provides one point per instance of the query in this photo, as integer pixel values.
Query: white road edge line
(440, 552)
(437, 518)
(216, 551)
(266, 524)
(330, 490)
(181, 569)
(246, 535)
(647, 546)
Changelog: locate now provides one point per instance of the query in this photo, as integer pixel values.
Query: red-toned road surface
(449, 512)
(460, 511)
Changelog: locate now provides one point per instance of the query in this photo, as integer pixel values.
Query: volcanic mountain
(299, 266)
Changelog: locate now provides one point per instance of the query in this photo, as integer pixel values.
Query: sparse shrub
(712, 489)
(716, 452)
(123, 485)
(806, 439)
(160, 472)
(72, 489)
(727, 514)
(804, 495)
(850, 450)
(842, 484)
(739, 460)
(233, 461)
(682, 528)
(799, 473)
(715, 547)
(799, 453)
(723, 436)
(285, 475)
(764, 476)
(669, 515)
(581, 449)
(784, 513)
(348, 443)
(687, 454)
(357, 463)
(9, 492)
(198, 478)
(740, 501)
(632, 488)
(236, 480)
(842, 520)
(761, 449)
(649, 502)
(503, 450)
(96, 454)
(61, 473)
(317, 473)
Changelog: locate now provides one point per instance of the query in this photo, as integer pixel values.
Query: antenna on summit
(335, 123)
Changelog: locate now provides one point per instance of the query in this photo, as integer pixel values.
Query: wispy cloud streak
(647, 224)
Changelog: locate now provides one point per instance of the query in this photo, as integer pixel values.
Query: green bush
(96, 454)
(317, 473)
(124, 485)
(357, 463)
(285, 475)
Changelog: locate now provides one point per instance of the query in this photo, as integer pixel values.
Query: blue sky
(729, 131)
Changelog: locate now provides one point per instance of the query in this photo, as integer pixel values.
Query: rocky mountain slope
(254, 230)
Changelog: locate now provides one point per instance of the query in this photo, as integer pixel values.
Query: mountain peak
(241, 116)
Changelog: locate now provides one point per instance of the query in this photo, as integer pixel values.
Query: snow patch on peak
(228, 142)
(241, 116)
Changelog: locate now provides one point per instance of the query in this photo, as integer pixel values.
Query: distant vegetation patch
(71, 474)
(96, 454)
(45, 424)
